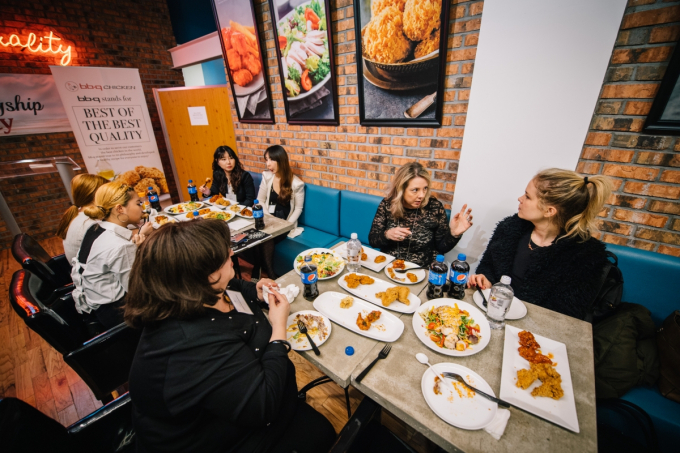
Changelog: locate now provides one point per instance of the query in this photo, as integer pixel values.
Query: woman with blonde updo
(101, 269)
(547, 248)
(74, 223)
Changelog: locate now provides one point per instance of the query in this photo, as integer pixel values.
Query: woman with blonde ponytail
(547, 248)
(74, 223)
(101, 269)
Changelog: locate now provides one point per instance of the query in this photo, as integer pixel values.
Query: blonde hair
(577, 199)
(83, 188)
(108, 197)
(395, 194)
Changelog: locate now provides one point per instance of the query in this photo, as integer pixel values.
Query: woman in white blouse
(281, 194)
(74, 223)
(101, 269)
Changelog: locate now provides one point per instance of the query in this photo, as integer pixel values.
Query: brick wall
(117, 33)
(359, 158)
(644, 211)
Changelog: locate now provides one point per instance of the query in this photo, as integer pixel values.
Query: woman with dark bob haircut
(229, 178)
(211, 374)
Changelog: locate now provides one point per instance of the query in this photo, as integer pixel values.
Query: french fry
(254, 51)
(241, 29)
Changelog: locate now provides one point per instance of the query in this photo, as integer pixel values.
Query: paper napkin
(497, 426)
(291, 291)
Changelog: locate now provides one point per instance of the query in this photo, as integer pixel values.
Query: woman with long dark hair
(211, 372)
(229, 178)
(282, 194)
(547, 248)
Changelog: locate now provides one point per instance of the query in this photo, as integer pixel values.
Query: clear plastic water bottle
(353, 254)
(499, 302)
(458, 277)
(309, 277)
(436, 278)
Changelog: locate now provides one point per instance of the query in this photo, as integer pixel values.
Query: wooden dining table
(395, 382)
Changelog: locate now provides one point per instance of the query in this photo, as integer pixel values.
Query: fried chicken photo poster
(243, 54)
(302, 31)
(401, 60)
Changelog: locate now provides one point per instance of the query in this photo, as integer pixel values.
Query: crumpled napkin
(249, 102)
(291, 291)
(295, 232)
(497, 426)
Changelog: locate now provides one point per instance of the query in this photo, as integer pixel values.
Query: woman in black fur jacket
(547, 248)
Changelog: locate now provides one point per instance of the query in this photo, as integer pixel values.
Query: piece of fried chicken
(383, 37)
(427, 45)
(389, 296)
(402, 294)
(234, 60)
(252, 64)
(378, 5)
(421, 17)
(238, 42)
(131, 178)
(149, 172)
(373, 316)
(362, 323)
(242, 77)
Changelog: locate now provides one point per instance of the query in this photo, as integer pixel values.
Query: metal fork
(303, 329)
(460, 379)
(383, 354)
(401, 271)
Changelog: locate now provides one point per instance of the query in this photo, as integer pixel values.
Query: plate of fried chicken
(380, 292)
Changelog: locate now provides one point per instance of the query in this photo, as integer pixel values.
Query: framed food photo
(243, 55)
(401, 61)
(302, 31)
(664, 115)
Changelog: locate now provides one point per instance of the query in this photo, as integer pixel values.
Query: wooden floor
(33, 371)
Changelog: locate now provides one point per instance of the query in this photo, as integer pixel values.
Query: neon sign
(15, 41)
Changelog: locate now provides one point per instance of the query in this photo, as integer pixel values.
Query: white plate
(369, 263)
(152, 219)
(517, 308)
(218, 205)
(562, 412)
(367, 292)
(215, 208)
(242, 208)
(167, 210)
(420, 273)
(302, 343)
(467, 413)
(184, 218)
(420, 327)
(253, 86)
(388, 328)
(296, 264)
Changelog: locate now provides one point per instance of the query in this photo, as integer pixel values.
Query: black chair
(103, 362)
(24, 429)
(55, 271)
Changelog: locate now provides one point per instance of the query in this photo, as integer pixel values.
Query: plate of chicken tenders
(370, 258)
(359, 316)
(379, 292)
(536, 377)
(407, 278)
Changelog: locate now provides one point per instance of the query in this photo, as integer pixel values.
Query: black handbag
(611, 290)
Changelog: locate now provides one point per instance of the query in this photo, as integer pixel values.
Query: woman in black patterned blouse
(410, 223)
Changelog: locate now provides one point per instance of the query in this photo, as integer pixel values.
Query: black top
(213, 383)
(430, 232)
(282, 210)
(245, 192)
(522, 257)
(563, 277)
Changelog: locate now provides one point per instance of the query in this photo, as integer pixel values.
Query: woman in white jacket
(281, 194)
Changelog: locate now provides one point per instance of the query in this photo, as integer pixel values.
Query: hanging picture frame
(401, 61)
(243, 55)
(303, 35)
(664, 115)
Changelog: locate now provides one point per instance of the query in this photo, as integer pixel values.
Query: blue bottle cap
(150, 188)
(349, 350)
(256, 201)
(195, 213)
(461, 257)
(191, 180)
(440, 258)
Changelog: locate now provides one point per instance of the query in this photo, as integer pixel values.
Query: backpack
(611, 290)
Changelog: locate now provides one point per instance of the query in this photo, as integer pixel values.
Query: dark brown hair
(170, 275)
(279, 155)
(236, 173)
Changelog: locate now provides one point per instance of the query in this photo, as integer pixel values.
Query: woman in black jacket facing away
(230, 179)
(547, 247)
(211, 374)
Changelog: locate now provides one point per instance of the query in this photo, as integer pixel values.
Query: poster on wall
(401, 61)
(664, 115)
(110, 119)
(305, 52)
(243, 54)
(30, 104)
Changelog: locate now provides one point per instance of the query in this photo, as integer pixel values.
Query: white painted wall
(538, 72)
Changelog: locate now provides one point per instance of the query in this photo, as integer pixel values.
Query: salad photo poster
(401, 56)
(243, 54)
(302, 31)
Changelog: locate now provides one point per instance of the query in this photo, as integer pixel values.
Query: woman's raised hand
(461, 221)
(397, 234)
(204, 190)
(480, 281)
(269, 283)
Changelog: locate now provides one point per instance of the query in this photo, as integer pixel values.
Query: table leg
(349, 408)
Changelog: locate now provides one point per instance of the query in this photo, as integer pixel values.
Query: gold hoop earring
(123, 221)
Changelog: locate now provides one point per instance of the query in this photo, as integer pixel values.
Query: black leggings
(110, 315)
(308, 432)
